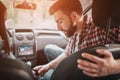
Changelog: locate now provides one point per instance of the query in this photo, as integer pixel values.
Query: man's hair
(67, 6)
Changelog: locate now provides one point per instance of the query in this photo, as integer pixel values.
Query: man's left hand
(102, 66)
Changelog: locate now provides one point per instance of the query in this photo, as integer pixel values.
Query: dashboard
(26, 43)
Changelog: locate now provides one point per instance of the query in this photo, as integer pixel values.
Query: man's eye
(59, 21)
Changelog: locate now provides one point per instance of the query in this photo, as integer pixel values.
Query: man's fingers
(88, 64)
(37, 67)
(90, 74)
(42, 72)
(92, 57)
(92, 70)
(104, 53)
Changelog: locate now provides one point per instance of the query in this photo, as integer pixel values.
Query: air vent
(48, 34)
(19, 37)
(30, 36)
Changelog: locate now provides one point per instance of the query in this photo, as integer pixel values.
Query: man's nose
(59, 27)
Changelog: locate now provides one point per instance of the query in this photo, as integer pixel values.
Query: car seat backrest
(102, 11)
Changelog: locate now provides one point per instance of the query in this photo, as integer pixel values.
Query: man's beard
(71, 30)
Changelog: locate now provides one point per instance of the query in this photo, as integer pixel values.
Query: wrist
(52, 64)
(116, 68)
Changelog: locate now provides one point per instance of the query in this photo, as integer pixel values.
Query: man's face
(64, 23)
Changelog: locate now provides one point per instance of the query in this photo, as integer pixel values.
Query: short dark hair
(67, 6)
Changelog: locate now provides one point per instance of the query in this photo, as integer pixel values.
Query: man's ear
(74, 17)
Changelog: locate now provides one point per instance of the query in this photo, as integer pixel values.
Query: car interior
(26, 28)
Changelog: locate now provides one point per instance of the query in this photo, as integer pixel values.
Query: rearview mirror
(24, 5)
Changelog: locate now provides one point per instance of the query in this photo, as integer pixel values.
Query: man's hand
(41, 69)
(102, 66)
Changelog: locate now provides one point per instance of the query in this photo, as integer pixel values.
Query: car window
(85, 3)
(36, 17)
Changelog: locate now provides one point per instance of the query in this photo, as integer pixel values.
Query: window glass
(32, 13)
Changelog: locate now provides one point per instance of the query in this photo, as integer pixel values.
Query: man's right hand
(41, 69)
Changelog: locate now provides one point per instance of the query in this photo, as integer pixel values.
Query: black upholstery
(14, 70)
(103, 9)
(67, 69)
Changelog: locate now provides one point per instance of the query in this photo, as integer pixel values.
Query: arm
(56, 61)
(42, 69)
(102, 66)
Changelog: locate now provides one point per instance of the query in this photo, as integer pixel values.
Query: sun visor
(104, 9)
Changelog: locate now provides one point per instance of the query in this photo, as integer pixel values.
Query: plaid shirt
(91, 35)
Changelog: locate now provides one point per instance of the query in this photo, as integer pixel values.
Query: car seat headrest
(102, 10)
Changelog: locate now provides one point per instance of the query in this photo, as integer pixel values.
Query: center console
(25, 45)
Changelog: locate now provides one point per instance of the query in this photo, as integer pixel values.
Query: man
(82, 32)
(69, 20)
